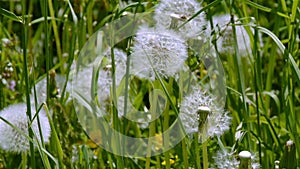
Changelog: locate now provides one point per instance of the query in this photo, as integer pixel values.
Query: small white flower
(13, 141)
(156, 49)
(168, 11)
(191, 114)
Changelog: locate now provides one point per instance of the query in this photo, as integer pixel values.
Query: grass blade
(11, 15)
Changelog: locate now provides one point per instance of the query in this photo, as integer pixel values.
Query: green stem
(55, 30)
(24, 160)
(26, 77)
(183, 143)
(116, 121)
(165, 127)
(197, 150)
(11, 8)
(153, 108)
(205, 156)
(240, 75)
(184, 154)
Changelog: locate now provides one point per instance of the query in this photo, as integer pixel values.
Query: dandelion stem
(245, 157)
(166, 126)
(24, 160)
(197, 150)
(184, 154)
(153, 108)
(205, 156)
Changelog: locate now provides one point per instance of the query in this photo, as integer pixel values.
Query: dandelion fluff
(41, 88)
(218, 121)
(227, 160)
(155, 49)
(189, 110)
(12, 140)
(190, 115)
(168, 11)
(83, 83)
(225, 39)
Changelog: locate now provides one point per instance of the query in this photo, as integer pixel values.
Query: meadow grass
(43, 39)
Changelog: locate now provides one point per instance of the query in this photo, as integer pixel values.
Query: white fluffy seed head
(157, 49)
(225, 38)
(12, 140)
(218, 120)
(83, 83)
(189, 109)
(169, 11)
(41, 89)
(227, 160)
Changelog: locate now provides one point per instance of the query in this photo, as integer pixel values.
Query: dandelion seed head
(225, 39)
(13, 141)
(121, 104)
(189, 109)
(83, 82)
(183, 9)
(105, 78)
(225, 160)
(84, 78)
(254, 161)
(41, 88)
(120, 58)
(161, 50)
(218, 120)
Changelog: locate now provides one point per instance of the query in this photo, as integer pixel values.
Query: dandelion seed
(193, 119)
(155, 49)
(13, 141)
(168, 11)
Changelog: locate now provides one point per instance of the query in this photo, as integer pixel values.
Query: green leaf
(266, 9)
(282, 49)
(42, 19)
(11, 15)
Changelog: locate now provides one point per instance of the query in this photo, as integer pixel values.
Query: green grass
(263, 95)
